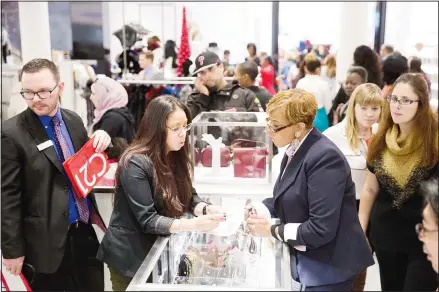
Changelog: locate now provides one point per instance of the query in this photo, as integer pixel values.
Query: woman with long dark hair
(153, 191)
(369, 60)
(170, 64)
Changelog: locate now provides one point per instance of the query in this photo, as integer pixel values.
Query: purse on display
(249, 158)
(206, 157)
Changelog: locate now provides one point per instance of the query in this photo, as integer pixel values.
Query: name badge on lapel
(45, 145)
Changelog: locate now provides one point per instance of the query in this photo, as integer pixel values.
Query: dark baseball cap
(206, 60)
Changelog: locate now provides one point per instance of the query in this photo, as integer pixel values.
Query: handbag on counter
(249, 158)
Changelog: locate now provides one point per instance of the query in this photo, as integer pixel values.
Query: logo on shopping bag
(86, 168)
(86, 179)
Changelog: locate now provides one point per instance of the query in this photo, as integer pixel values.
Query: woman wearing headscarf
(111, 114)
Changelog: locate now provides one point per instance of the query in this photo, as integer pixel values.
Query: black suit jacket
(34, 192)
(317, 191)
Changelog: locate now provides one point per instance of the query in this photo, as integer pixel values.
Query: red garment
(267, 76)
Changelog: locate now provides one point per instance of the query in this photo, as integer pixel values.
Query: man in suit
(46, 227)
(314, 198)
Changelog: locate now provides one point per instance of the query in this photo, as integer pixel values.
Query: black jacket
(340, 98)
(262, 95)
(137, 219)
(229, 97)
(34, 192)
(118, 123)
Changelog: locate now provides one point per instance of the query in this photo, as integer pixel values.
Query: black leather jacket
(229, 97)
(137, 218)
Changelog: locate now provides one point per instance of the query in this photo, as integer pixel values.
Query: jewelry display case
(200, 261)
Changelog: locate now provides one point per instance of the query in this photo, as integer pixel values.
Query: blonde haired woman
(352, 137)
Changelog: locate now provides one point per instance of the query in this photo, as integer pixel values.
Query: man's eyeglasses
(403, 100)
(180, 130)
(421, 230)
(43, 94)
(275, 130)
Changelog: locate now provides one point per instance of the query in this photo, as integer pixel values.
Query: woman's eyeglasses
(180, 130)
(403, 100)
(275, 130)
(421, 230)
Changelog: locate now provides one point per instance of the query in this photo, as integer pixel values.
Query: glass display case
(193, 261)
(231, 147)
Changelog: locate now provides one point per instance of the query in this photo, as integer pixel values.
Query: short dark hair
(393, 67)
(361, 71)
(430, 191)
(227, 52)
(148, 55)
(250, 68)
(416, 65)
(36, 65)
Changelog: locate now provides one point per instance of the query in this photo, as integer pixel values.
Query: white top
(319, 88)
(355, 157)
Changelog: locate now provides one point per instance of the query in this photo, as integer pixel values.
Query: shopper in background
(111, 114)
(353, 135)
(428, 229)
(393, 67)
(328, 74)
(226, 57)
(170, 62)
(403, 153)
(150, 71)
(286, 67)
(369, 60)
(245, 74)
(385, 51)
(314, 198)
(214, 93)
(416, 67)
(298, 73)
(313, 83)
(45, 225)
(153, 191)
(252, 54)
(356, 75)
(267, 74)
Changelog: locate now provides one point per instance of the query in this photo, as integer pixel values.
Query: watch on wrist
(205, 209)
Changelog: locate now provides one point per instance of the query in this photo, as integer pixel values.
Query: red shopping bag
(86, 168)
(13, 283)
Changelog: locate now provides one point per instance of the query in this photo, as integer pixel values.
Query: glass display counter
(231, 147)
(200, 261)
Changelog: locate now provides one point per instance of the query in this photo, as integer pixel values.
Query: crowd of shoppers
(352, 191)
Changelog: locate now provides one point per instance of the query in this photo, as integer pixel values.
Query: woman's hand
(249, 210)
(206, 223)
(215, 209)
(259, 225)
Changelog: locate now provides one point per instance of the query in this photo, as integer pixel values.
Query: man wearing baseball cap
(214, 93)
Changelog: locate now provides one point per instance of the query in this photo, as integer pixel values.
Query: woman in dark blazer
(314, 198)
(149, 201)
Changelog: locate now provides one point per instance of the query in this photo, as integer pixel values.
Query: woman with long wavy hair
(153, 191)
(403, 154)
